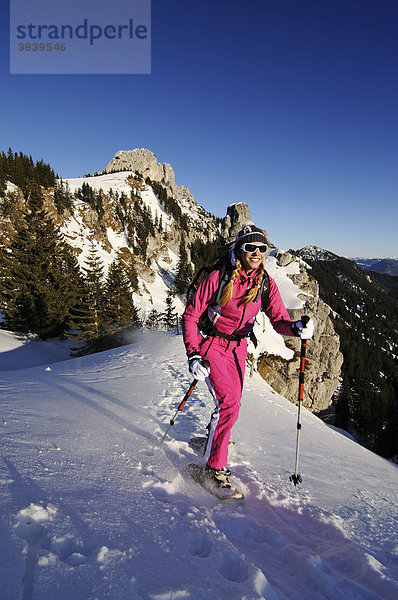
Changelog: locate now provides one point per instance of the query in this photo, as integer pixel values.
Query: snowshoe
(214, 481)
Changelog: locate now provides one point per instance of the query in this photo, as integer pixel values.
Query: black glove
(304, 328)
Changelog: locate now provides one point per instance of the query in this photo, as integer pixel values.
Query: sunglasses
(250, 247)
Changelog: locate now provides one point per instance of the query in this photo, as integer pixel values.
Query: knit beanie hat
(249, 233)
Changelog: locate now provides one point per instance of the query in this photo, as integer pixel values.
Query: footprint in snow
(231, 567)
(170, 594)
(68, 551)
(244, 528)
(198, 545)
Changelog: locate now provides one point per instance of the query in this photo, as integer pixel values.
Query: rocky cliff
(237, 214)
(324, 359)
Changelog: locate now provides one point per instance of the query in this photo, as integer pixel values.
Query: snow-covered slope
(79, 235)
(117, 182)
(93, 507)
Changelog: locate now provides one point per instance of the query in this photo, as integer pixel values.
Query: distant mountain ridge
(387, 266)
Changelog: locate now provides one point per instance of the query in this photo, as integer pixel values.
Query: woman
(225, 348)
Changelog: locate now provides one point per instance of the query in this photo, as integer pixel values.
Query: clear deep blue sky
(289, 106)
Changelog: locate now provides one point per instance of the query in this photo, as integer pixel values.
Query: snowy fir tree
(169, 317)
(39, 275)
(153, 319)
(119, 309)
(89, 312)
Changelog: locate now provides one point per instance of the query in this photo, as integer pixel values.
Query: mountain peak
(144, 161)
(316, 253)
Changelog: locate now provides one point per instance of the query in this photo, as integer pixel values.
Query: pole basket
(295, 478)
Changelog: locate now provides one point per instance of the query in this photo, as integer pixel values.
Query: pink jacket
(234, 318)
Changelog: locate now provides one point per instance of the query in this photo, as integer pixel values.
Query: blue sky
(289, 106)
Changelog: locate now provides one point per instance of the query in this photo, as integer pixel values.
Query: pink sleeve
(276, 311)
(201, 299)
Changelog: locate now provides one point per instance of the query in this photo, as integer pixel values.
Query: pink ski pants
(227, 369)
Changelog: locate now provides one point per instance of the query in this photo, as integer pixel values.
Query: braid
(229, 288)
(251, 294)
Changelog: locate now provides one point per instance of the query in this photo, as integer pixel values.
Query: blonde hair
(251, 295)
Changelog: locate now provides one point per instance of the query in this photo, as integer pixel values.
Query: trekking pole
(296, 477)
(206, 365)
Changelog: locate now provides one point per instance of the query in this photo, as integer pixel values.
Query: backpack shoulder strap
(225, 273)
(225, 269)
(265, 290)
(194, 283)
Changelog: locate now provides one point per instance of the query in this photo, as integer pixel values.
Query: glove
(304, 328)
(198, 368)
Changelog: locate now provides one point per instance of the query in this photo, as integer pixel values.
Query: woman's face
(250, 260)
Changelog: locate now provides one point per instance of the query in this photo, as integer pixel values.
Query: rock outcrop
(324, 359)
(237, 214)
(143, 161)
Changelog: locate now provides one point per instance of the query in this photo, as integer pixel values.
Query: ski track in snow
(95, 507)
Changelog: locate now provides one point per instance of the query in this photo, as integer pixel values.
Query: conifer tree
(63, 199)
(88, 313)
(21, 170)
(184, 270)
(119, 311)
(3, 177)
(153, 319)
(169, 317)
(132, 275)
(38, 275)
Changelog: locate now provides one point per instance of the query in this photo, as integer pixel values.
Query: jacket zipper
(243, 314)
